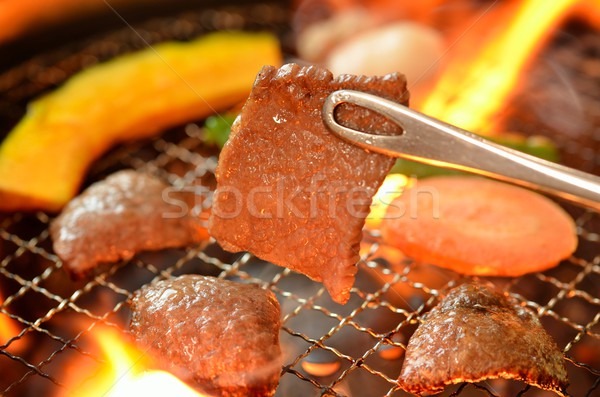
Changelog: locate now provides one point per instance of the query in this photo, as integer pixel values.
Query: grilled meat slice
(291, 192)
(119, 216)
(218, 335)
(477, 333)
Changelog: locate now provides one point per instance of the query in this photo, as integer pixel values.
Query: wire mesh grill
(50, 318)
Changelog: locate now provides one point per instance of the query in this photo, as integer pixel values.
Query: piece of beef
(117, 217)
(477, 333)
(220, 336)
(290, 191)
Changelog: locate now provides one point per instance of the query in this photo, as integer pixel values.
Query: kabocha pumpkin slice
(477, 333)
(478, 226)
(291, 192)
(45, 157)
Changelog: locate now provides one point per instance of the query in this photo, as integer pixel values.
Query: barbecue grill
(54, 317)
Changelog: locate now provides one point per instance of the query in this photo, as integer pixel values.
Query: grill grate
(53, 317)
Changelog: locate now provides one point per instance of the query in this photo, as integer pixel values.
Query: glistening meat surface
(117, 217)
(218, 335)
(477, 333)
(291, 192)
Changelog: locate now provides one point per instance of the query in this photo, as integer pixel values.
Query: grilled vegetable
(478, 226)
(217, 128)
(44, 158)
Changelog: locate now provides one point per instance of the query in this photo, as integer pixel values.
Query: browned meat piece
(477, 333)
(221, 336)
(291, 192)
(117, 217)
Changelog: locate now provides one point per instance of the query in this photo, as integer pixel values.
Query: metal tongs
(430, 141)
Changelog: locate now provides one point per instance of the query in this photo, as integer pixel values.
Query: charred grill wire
(53, 317)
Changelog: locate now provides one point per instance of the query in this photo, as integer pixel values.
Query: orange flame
(125, 373)
(392, 187)
(473, 87)
(589, 10)
(9, 328)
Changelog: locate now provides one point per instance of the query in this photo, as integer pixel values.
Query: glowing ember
(9, 328)
(125, 373)
(474, 87)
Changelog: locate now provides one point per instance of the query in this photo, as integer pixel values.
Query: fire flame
(392, 187)
(9, 328)
(589, 10)
(474, 86)
(125, 373)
